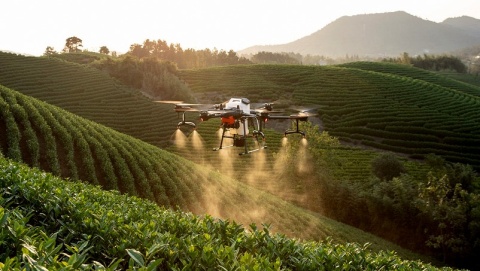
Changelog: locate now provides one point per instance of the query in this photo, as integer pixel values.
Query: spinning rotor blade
(178, 103)
(180, 106)
(262, 110)
(304, 111)
(304, 108)
(169, 102)
(186, 109)
(304, 114)
(299, 116)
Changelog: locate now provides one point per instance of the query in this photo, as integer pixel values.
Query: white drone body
(242, 104)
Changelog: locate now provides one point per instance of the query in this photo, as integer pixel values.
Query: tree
(448, 208)
(49, 51)
(72, 45)
(104, 50)
(387, 166)
(450, 199)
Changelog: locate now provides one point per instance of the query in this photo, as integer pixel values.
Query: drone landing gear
(241, 141)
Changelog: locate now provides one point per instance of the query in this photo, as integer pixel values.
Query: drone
(239, 122)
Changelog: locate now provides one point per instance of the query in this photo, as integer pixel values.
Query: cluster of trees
(152, 76)
(185, 59)
(276, 58)
(192, 59)
(72, 45)
(438, 213)
(145, 68)
(431, 62)
(298, 59)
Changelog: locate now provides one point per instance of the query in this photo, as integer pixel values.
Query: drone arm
(296, 118)
(292, 117)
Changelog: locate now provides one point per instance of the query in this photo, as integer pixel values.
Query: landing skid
(248, 152)
(241, 141)
(242, 153)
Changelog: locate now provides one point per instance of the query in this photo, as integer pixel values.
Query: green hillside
(55, 140)
(50, 224)
(384, 106)
(366, 105)
(89, 93)
(379, 105)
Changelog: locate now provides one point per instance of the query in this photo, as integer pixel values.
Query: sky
(29, 26)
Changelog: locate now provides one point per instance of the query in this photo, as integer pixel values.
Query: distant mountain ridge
(383, 35)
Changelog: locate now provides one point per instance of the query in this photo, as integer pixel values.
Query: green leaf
(136, 256)
(153, 265)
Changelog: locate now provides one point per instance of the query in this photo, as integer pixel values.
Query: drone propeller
(266, 108)
(180, 106)
(304, 112)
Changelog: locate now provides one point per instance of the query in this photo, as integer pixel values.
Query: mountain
(469, 25)
(382, 34)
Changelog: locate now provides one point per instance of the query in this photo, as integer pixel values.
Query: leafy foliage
(444, 202)
(387, 167)
(184, 58)
(47, 223)
(72, 44)
(156, 78)
(275, 58)
(432, 62)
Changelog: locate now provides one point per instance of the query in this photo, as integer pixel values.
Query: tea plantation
(380, 105)
(51, 224)
(79, 123)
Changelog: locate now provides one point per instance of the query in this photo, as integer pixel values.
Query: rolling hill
(469, 25)
(348, 97)
(385, 106)
(55, 140)
(382, 35)
(89, 93)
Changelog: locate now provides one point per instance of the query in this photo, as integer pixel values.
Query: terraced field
(52, 224)
(388, 107)
(381, 105)
(50, 138)
(365, 105)
(89, 93)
